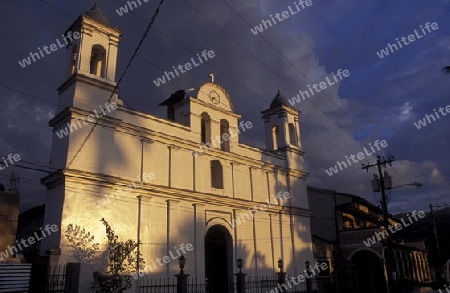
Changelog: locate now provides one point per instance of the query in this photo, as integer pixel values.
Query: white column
(199, 242)
(173, 225)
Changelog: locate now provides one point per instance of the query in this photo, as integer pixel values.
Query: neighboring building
(179, 194)
(324, 252)
(30, 223)
(349, 221)
(9, 213)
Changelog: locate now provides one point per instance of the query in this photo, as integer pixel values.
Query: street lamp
(280, 264)
(181, 263)
(240, 264)
(281, 275)
(182, 277)
(240, 277)
(415, 183)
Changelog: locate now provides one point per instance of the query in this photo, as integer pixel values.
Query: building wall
(178, 205)
(9, 214)
(323, 203)
(29, 222)
(112, 159)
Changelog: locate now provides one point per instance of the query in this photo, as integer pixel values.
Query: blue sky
(381, 99)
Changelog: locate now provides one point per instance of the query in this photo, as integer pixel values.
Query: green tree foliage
(122, 258)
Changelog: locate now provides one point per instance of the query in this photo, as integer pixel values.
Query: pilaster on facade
(199, 235)
(173, 230)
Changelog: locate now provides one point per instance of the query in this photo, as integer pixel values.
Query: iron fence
(260, 284)
(56, 277)
(253, 284)
(157, 285)
(164, 285)
(197, 285)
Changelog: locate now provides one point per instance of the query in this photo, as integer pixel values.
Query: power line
(192, 85)
(221, 71)
(155, 14)
(23, 138)
(27, 94)
(260, 97)
(260, 61)
(165, 34)
(25, 167)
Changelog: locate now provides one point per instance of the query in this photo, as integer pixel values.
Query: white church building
(155, 181)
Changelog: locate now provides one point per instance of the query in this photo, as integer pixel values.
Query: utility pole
(389, 266)
(438, 259)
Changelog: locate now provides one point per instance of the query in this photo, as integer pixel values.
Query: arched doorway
(218, 258)
(369, 272)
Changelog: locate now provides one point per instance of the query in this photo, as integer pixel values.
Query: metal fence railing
(197, 285)
(56, 277)
(157, 285)
(261, 284)
(253, 284)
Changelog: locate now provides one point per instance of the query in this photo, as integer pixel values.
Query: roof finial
(212, 76)
(95, 7)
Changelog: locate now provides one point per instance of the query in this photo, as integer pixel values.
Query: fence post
(282, 281)
(308, 285)
(39, 270)
(281, 277)
(240, 282)
(308, 280)
(72, 277)
(182, 282)
(53, 256)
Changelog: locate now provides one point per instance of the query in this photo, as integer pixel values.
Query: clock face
(214, 97)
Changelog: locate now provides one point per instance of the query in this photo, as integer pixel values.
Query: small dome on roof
(96, 14)
(279, 100)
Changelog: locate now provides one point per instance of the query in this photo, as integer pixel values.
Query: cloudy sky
(380, 100)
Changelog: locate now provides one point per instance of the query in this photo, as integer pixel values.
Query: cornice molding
(72, 176)
(91, 79)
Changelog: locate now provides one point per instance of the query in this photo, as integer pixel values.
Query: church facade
(183, 181)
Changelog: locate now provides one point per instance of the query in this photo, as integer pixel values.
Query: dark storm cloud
(381, 99)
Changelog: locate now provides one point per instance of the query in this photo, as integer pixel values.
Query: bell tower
(91, 62)
(283, 138)
(282, 126)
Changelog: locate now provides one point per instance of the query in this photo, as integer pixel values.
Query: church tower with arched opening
(168, 182)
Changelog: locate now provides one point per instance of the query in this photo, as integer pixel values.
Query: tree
(122, 258)
(446, 69)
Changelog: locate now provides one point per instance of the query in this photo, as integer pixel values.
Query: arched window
(216, 174)
(292, 135)
(224, 135)
(98, 61)
(276, 137)
(205, 129)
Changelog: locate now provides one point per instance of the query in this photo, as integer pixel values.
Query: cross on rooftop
(212, 77)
